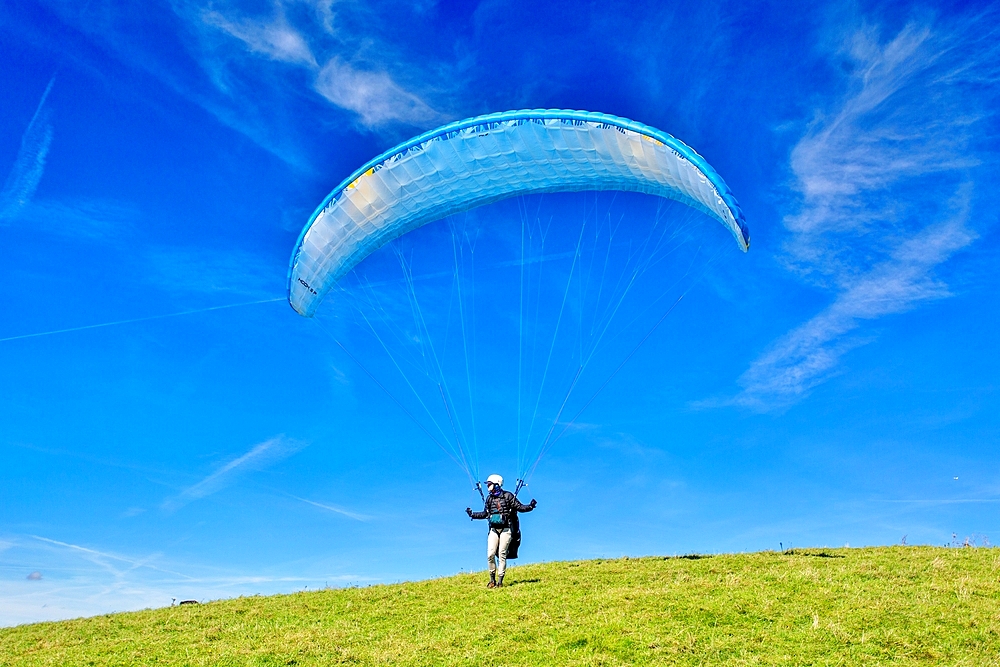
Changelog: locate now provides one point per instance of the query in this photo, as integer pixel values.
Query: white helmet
(495, 479)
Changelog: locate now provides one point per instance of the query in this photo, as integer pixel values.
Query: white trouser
(496, 546)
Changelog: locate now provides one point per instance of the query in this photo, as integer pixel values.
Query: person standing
(500, 510)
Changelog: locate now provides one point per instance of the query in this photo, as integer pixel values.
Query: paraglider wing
(474, 162)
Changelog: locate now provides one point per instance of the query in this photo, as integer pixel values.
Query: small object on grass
(188, 602)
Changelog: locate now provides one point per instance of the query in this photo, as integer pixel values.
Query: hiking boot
(500, 582)
(492, 584)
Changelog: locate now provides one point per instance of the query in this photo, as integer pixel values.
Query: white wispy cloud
(806, 356)
(272, 37)
(105, 559)
(88, 219)
(29, 165)
(371, 93)
(257, 457)
(79, 580)
(885, 182)
(374, 96)
(211, 271)
(333, 508)
(266, 72)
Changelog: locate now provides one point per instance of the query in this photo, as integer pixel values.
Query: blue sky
(835, 385)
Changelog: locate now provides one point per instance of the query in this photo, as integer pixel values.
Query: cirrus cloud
(884, 182)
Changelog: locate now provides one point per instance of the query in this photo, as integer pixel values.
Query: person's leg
(492, 547)
(503, 543)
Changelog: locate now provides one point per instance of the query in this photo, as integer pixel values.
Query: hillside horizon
(874, 605)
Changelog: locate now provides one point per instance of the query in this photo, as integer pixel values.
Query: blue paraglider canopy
(488, 158)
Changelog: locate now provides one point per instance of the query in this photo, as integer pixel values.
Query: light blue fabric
(481, 160)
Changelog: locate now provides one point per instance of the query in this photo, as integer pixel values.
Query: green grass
(893, 605)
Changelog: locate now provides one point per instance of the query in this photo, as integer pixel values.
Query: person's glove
(532, 503)
(468, 510)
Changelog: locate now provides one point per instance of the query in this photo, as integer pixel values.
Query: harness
(498, 518)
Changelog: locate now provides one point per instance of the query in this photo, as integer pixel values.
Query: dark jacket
(507, 505)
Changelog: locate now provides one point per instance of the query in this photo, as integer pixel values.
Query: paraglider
(471, 163)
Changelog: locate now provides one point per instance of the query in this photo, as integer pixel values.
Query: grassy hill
(898, 605)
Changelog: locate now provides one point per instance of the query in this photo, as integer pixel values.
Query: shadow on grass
(521, 582)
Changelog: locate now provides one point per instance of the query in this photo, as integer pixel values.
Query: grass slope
(898, 605)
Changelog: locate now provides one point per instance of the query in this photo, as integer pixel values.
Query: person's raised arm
(521, 507)
(476, 515)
